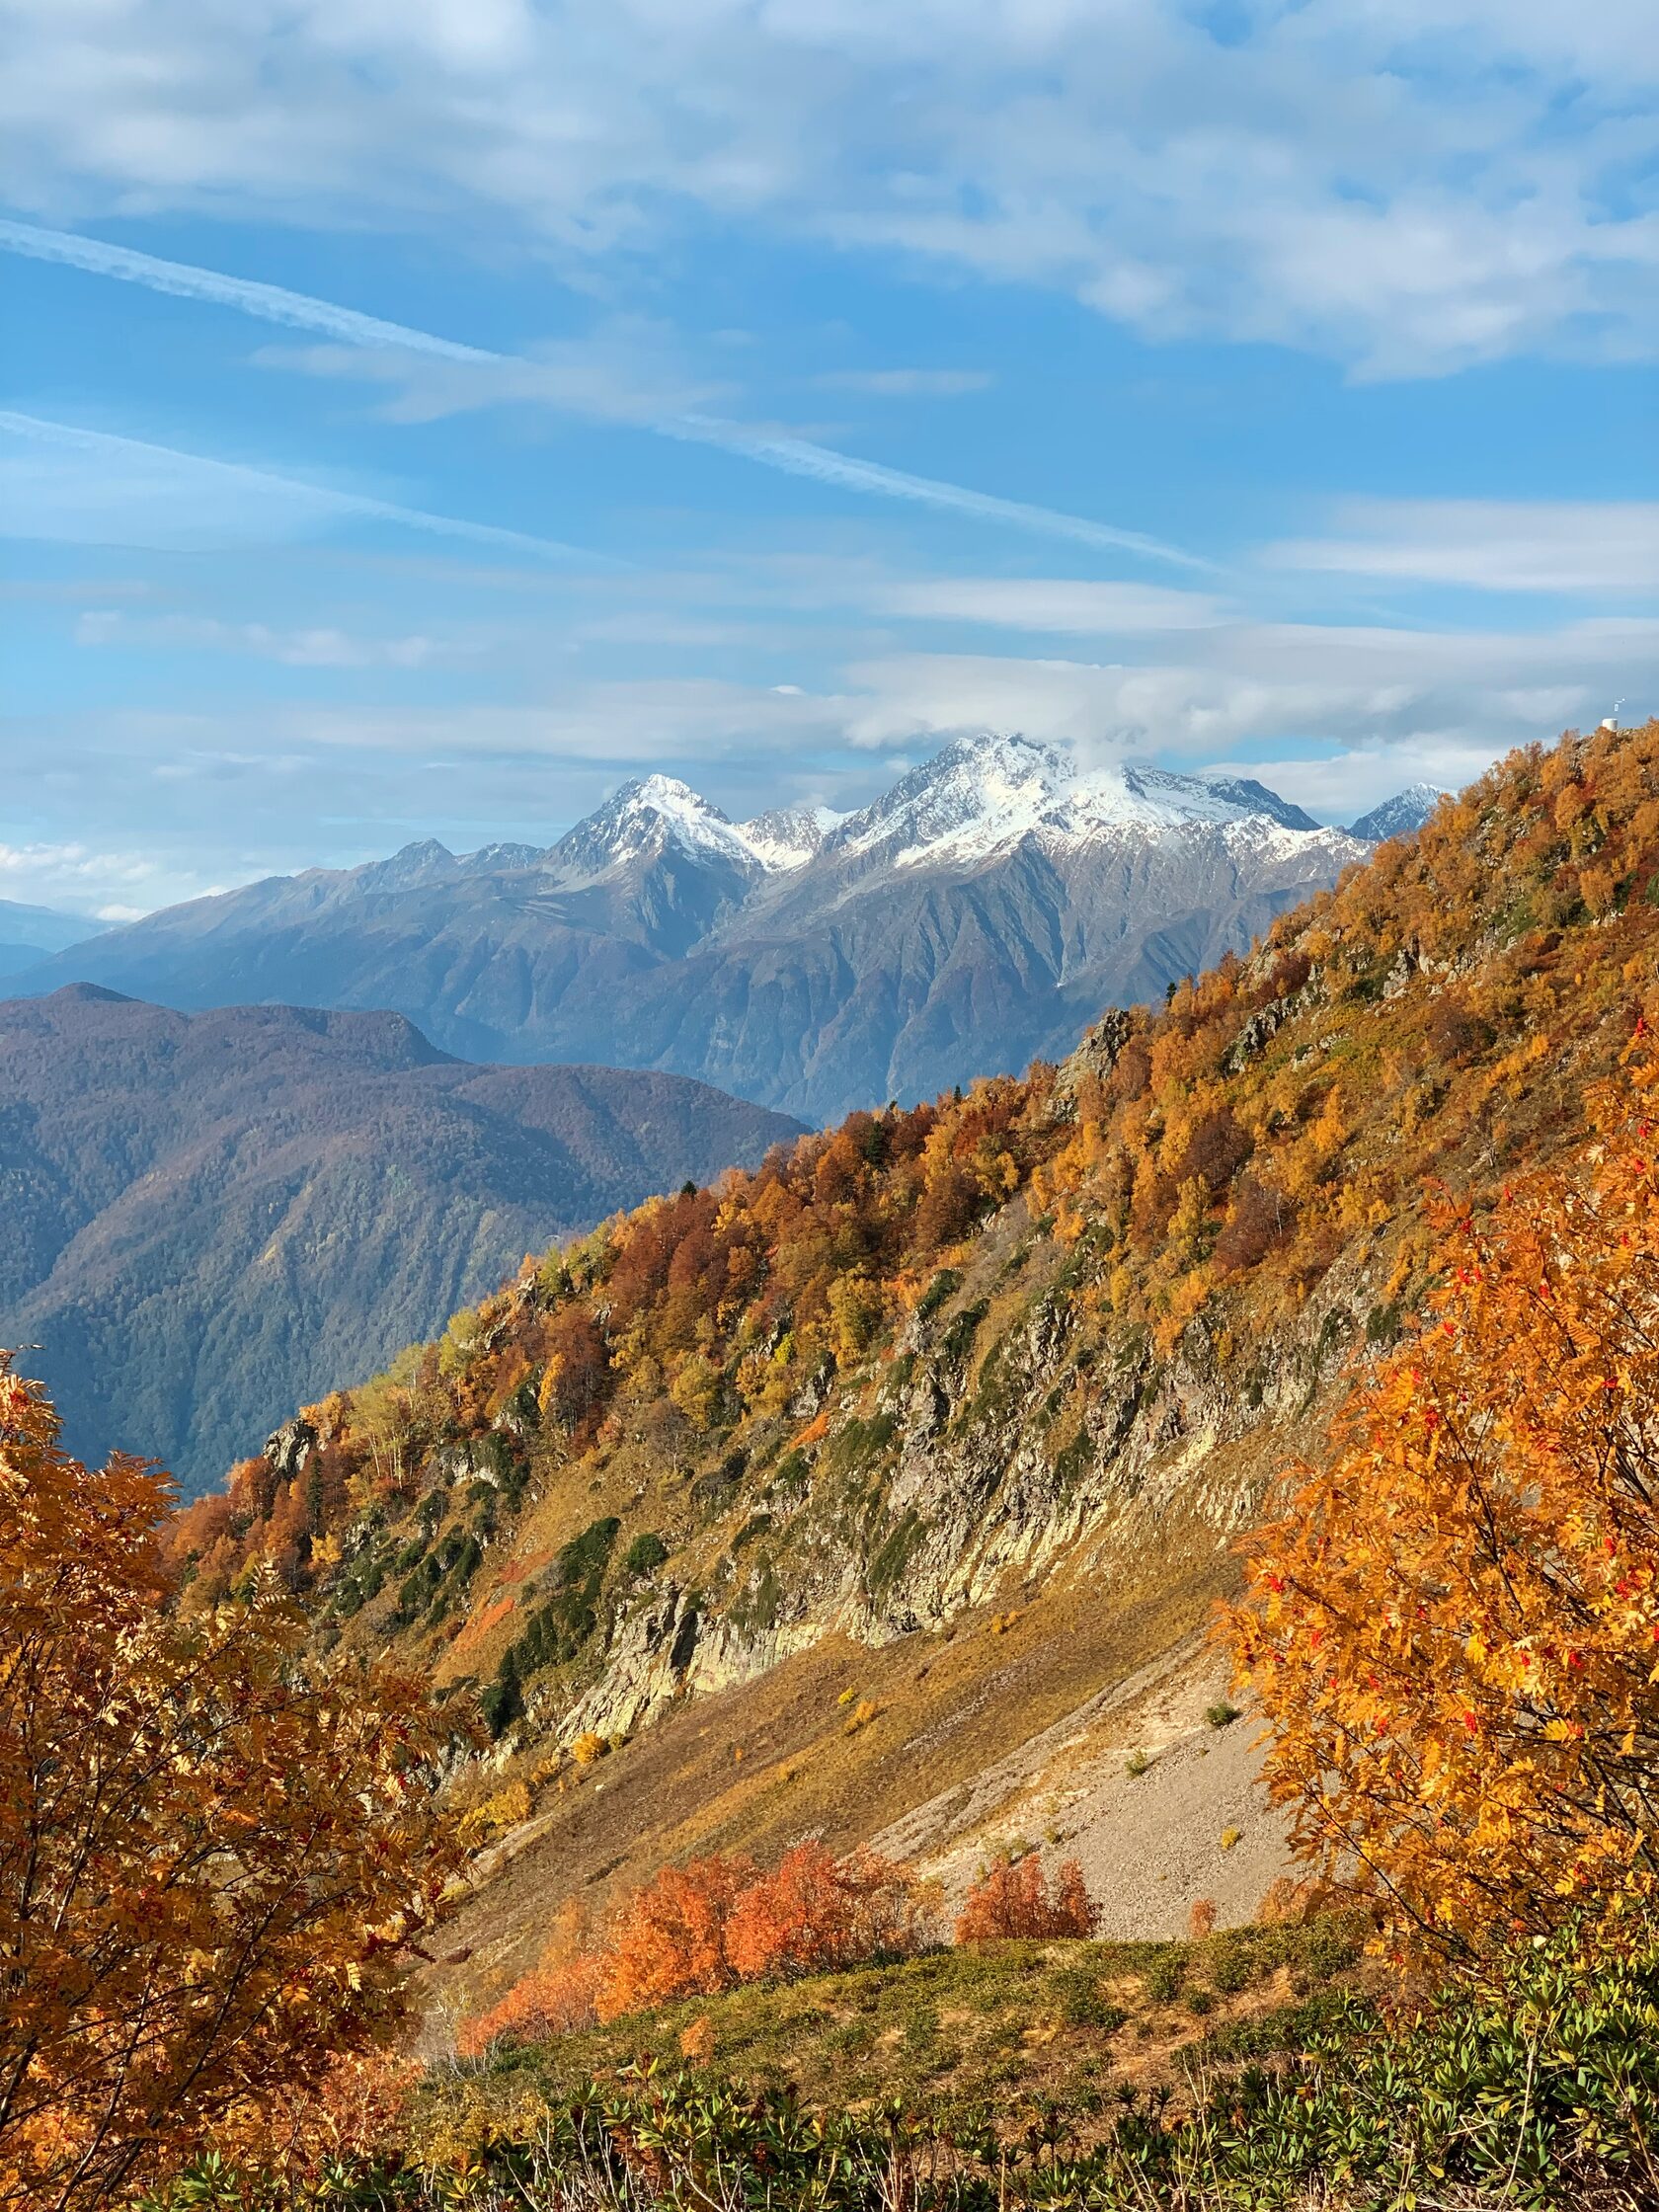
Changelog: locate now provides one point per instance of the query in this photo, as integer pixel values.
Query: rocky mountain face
(852, 1499)
(974, 916)
(210, 1215)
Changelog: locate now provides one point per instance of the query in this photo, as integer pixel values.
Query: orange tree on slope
(211, 1854)
(707, 1926)
(1012, 1898)
(1455, 1629)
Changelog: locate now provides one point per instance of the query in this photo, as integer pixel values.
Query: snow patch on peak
(490, 860)
(786, 837)
(983, 793)
(639, 820)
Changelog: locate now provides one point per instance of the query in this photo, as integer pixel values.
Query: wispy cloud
(131, 495)
(320, 648)
(906, 383)
(1609, 546)
(795, 456)
(1061, 605)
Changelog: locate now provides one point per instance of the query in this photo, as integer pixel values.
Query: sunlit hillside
(955, 1412)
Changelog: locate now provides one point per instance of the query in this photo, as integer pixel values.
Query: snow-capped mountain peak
(654, 811)
(1399, 815)
(983, 793)
(641, 819)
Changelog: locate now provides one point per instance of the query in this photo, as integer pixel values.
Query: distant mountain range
(979, 914)
(209, 1217)
(26, 932)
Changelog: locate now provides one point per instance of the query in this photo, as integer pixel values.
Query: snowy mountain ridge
(976, 796)
(979, 913)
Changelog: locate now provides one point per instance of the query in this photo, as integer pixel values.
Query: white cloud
(1054, 604)
(82, 879)
(1609, 546)
(1266, 685)
(323, 647)
(1406, 186)
(1341, 786)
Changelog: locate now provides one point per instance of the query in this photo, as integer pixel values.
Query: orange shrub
(556, 1995)
(815, 1913)
(707, 1926)
(1201, 1920)
(1013, 1899)
(549, 2001)
(669, 1940)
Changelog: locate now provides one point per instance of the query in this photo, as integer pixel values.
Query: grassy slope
(1004, 2029)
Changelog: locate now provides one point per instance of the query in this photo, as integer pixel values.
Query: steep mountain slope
(209, 1215)
(852, 1497)
(974, 916)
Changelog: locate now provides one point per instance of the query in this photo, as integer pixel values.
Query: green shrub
(939, 1292)
(1162, 1976)
(1083, 2002)
(643, 1555)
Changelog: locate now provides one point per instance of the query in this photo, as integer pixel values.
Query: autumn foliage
(1455, 1628)
(1013, 1898)
(708, 1926)
(211, 1852)
(1210, 1158)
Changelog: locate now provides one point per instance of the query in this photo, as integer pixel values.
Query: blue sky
(774, 390)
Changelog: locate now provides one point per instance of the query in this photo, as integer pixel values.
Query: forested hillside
(208, 1215)
(858, 1468)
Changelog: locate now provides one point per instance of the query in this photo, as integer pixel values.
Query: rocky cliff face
(1012, 1431)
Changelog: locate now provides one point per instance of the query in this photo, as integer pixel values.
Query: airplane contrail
(270, 302)
(799, 457)
(71, 437)
(794, 456)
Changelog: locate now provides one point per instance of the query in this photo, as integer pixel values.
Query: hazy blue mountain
(26, 932)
